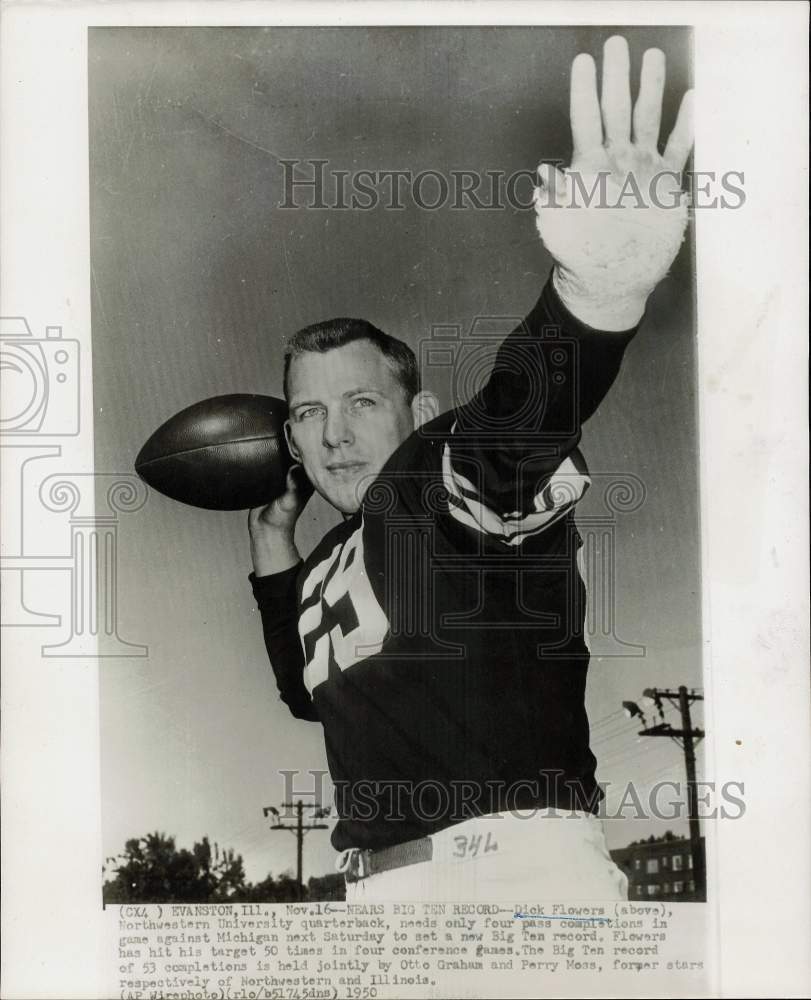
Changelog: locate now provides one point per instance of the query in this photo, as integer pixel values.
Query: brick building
(660, 868)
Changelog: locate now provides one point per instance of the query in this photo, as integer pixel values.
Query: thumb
(552, 189)
(299, 489)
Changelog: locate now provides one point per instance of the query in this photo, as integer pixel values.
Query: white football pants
(549, 855)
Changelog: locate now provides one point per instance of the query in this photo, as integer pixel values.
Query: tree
(666, 837)
(283, 889)
(153, 870)
(326, 887)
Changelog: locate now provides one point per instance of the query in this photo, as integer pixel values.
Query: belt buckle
(353, 864)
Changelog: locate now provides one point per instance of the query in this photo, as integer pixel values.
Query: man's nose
(337, 430)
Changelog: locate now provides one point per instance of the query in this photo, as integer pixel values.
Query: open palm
(615, 219)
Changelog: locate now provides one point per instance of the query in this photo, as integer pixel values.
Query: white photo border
(751, 115)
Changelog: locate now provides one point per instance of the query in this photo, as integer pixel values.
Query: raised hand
(614, 221)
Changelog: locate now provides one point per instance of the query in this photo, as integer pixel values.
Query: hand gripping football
(223, 453)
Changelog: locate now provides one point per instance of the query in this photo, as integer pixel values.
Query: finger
(681, 138)
(616, 95)
(648, 108)
(584, 108)
(552, 190)
(255, 516)
(294, 487)
(292, 482)
(301, 484)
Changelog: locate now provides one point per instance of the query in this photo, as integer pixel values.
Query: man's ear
(288, 435)
(424, 407)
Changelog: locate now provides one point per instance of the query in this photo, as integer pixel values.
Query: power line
(624, 753)
(687, 738)
(603, 740)
(648, 777)
(633, 762)
(616, 714)
(299, 829)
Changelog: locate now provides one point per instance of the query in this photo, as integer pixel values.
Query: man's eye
(310, 411)
(363, 401)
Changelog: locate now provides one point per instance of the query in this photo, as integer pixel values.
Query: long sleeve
(512, 466)
(276, 598)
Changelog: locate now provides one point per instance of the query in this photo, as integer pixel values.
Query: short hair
(332, 333)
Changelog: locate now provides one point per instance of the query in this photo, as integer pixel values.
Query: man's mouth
(338, 467)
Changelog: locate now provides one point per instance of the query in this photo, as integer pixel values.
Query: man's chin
(347, 497)
(346, 501)
(348, 509)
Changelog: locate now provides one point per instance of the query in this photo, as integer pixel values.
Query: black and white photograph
(395, 572)
(456, 393)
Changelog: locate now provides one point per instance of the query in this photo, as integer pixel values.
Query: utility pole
(299, 829)
(686, 738)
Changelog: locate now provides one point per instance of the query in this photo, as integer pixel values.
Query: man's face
(348, 414)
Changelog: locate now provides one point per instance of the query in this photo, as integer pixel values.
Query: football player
(437, 632)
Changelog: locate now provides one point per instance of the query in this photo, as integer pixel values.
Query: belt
(357, 863)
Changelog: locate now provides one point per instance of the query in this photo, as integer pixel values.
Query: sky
(198, 278)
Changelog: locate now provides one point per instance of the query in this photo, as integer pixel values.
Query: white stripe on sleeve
(562, 491)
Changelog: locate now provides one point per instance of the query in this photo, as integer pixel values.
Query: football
(223, 453)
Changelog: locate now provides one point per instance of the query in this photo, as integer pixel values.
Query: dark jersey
(437, 634)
